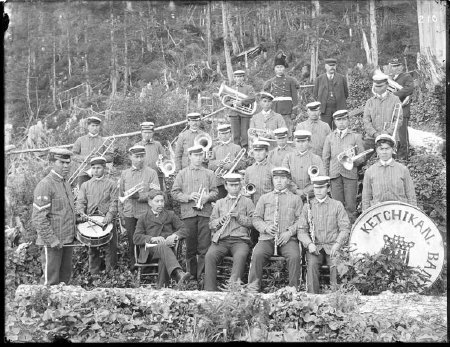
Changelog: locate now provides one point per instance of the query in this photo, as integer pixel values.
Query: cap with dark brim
(137, 149)
(281, 171)
(280, 59)
(385, 138)
(194, 116)
(93, 120)
(147, 126)
(265, 95)
(302, 134)
(239, 73)
(340, 114)
(281, 133)
(320, 181)
(395, 62)
(233, 178)
(313, 106)
(330, 61)
(195, 149)
(257, 145)
(61, 154)
(223, 128)
(98, 160)
(380, 79)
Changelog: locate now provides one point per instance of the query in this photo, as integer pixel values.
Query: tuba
(167, 166)
(313, 171)
(204, 140)
(228, 94)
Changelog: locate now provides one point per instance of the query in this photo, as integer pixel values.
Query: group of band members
(288, 200)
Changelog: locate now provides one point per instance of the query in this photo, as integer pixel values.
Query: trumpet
(236, 161)
(249, 189)
(199, 206)
(313, 171)
(167, 166)
(94, 153)
(138, 187)
(219, 172)
(228, 94)
(347, 159)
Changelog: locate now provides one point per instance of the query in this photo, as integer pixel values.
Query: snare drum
(93, 235)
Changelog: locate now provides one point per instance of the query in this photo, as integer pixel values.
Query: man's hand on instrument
(154, 186)
(313, 249)
(238, 103)
(135, 196)
(56, 244)
(283, 238)
(158, 239)
(234, 214)
(82, 218)
(194, 196)
(272, 230)
(170, 240)
(335, 249)
(107, 219)
(204, 199)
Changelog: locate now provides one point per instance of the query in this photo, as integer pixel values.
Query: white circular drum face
(416, 238)
(89, 229)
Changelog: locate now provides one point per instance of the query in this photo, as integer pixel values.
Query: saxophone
(276, 220)
(312, 232)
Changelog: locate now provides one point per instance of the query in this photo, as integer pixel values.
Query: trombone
(219, 172)
(199, 206)
(94, 153)
(236, 161)
(138, 187)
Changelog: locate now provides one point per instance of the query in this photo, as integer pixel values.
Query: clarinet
(312, 232)
(215, 238)
(276, 218)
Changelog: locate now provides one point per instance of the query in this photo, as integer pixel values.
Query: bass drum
(414, 235)
(93, 235)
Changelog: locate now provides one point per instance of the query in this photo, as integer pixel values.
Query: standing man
(54, 219)
(194, 183)
(239, 120)
(319, 129)
(344, 183)
(153, 149)
(328, 233)
(407, 82)
(331, 90)
(156, 233)
(86, 144)
(235, 235)
(277, 213)
(98, 196)
(300, 161)
(284, 89)
(387, 180)
(379, 117)
(223, 149)
(186, 140)
(277, 154)
(136, 205)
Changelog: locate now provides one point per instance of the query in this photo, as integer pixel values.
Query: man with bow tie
(91, 142)
(379, 117)
(235, 235)
(276, 217)
(239, 120)
(331, 90)
(223, 148)
(387, 179)
(136, 205)
(153, 149)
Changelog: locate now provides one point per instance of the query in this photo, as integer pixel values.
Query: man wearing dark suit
(407, 82)
(331, 90)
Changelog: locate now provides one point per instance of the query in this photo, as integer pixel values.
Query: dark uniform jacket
(320, 91)
(284, 86)
(407, 82)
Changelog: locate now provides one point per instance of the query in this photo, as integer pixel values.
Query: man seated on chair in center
(156, 232)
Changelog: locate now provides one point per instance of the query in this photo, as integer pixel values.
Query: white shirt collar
(57, 174)
(321, 201)
(99, 178)
(341, 132)
(385, 163)
(302, 153)
(330, 76)
(92, 135)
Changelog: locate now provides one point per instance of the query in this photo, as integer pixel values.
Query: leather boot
(180, 276)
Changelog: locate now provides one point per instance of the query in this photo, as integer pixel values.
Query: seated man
(276, 216)
(323, 229)
(155, 236)
(232, 235)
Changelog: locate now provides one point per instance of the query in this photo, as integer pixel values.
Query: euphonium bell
(228, 94)
(204, 140)
(313, 171)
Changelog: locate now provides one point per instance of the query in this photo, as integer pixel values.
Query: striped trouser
(56, 265)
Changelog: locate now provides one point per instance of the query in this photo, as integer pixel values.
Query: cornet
(313, 171)
(249, 189)
(228, 94)
(199, 205)
(138, 187)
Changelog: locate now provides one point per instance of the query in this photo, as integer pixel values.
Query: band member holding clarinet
(324, 228)
(134, 183)
(387, 179)
(276, 217)
(53, 218)
(276, 155)
(153, 149)
(98, 196)
(156, 234)
(343, 142)
(230, 219)
(223, 155)
(195, 188)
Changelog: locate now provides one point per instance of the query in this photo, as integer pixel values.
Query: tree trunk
(27, 84)
(233, 38)
(54, 73)
(225, 41)
(68, 51)
(86, 61)
(365, 44)
(315, 44)
(208, 33)
(373, 33)
(255, 32)
(125, 58)
(113, 76)
(241, 32)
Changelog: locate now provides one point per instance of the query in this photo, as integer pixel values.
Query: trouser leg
(288, 121)
(94, 260)
(327, 115)
(65, 270)
(161, 183)
(239, 251)
(51, 259)
(111, 251)
(403, 146)
(291, 252)
(167, 262)
(261, 253)
(245, 124)
(130, 226)
(204, 241)
(331, 262)
(214, 255)
(337, 189)
(235, 122)
(191, 245)
(350, 191)
(312, 275)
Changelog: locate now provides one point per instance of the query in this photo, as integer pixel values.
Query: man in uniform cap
(53, 218)
(344, 182)
(331, 90)
(284, 89)
(138, 175)
(240, 120)
(156, 233)
(387, 179)
(319, 129)
(90, 144)
(404, 94)
(231, 232)
(379, 117)
(327, 233)
(276, 217)
(220, 151)
(186, 140)
(300, 161)
(153, 149)
(259, 173)
(277, 154)
(98, 196)
(195, 187)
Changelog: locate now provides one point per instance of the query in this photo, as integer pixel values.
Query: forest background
(133, 61)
